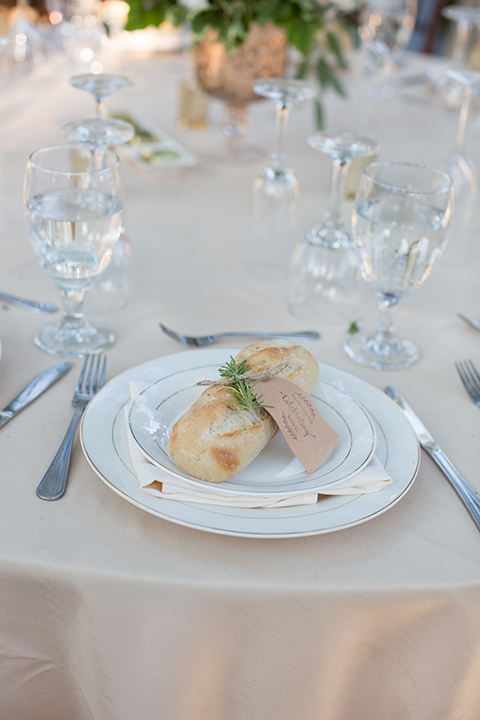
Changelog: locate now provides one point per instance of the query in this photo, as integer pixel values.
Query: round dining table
(112, 608)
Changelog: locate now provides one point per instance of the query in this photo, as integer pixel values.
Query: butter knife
(31, 391)
(466, 494)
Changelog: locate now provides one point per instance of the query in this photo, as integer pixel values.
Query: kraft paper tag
(308, 435)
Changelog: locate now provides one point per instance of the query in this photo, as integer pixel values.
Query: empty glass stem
(336, 234)
(384, 335)
(278, 154)
(463, 121)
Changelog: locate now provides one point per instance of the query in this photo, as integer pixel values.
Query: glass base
(371, 352)
(69, 340)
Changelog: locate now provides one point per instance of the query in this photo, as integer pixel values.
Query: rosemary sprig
(240, 388)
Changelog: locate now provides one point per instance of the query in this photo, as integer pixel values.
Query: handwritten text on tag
(308, 435)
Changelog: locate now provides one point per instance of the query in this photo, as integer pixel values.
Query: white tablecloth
(110, 613)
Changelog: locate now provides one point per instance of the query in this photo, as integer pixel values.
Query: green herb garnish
(353, 328)
(240, 388)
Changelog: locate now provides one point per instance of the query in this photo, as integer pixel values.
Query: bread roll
(214, 441)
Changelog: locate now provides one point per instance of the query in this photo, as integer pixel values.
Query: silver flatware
(470, 379)
(91, 380)
(35, 387)
(32, 305)
(473, 323)
(203, 340)
(467, 495)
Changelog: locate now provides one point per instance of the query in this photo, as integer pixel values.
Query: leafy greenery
(353, 328)
(314, 29)
(240, 388)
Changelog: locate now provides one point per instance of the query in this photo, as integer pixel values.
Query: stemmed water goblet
(400, 222)
(276, 190)
(459, 165)
(74, 216)
(322, 278)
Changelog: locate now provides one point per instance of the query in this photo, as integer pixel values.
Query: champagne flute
(276, 191)
(400, 222)
(74, 216)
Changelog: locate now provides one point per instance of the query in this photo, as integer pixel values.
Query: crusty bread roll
(214, 441)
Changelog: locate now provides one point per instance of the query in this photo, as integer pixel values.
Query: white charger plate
(103, 435)
(275, 472)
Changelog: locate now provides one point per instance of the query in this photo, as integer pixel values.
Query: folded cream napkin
(156, 482)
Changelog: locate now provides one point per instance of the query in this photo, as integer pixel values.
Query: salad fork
(91, 380)
(203, 340)
(470, 379)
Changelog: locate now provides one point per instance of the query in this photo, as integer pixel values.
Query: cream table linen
(108, 613)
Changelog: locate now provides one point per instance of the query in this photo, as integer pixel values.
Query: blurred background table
(109, 613)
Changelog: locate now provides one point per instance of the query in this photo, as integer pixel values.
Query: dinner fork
(470, 379)
(203, 340)
(91, 380)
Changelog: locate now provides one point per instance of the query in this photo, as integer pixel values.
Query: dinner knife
(31, 391)
(466, 494)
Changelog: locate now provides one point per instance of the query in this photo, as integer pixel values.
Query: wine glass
(459, 165)
(101, 87)
(322, 278)
(400, 222)
(465, 18)
(385, 29)
(275, 191)
(74, 216)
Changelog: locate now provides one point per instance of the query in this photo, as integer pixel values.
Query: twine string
(253, 378)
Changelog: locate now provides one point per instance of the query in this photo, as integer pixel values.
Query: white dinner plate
(275, 471)
(105, 443)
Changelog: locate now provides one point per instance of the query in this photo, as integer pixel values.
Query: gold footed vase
(229, 76)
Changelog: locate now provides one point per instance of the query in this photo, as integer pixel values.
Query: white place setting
(136, 588)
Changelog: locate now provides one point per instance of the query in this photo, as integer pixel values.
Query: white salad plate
(104, 438)
(275, 471)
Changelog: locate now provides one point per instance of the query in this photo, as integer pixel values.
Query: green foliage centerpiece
(317, 30)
